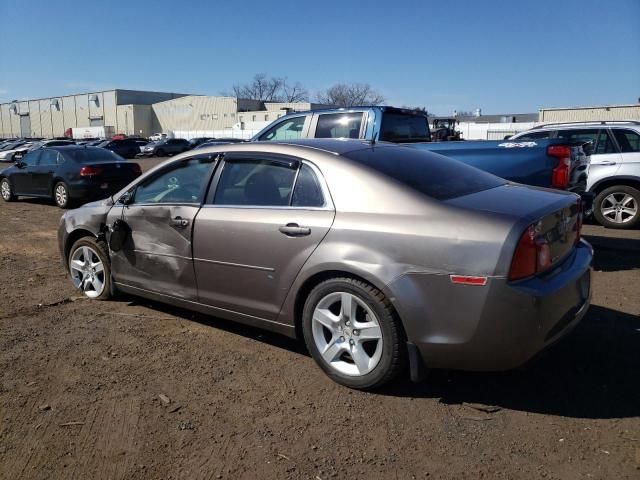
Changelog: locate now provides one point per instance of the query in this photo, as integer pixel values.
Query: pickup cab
(551, 163)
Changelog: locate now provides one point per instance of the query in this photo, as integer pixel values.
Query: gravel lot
(131, 389)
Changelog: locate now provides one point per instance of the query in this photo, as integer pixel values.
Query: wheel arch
(76, 235)
(56, 180)
(627, 180)
(316, 278)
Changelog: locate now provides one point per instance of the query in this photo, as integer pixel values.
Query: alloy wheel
(347, 334)
(87, 271)
(5, 190)
(61, 195)
(619, 207)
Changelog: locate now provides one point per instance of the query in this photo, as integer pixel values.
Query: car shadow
(592, 373)
(616, 255)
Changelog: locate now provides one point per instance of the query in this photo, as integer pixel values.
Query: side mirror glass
(126, 199)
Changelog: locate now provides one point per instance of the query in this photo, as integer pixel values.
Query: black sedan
(68, 175)
(127, 147)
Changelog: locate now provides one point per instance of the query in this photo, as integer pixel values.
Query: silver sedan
(380, 257)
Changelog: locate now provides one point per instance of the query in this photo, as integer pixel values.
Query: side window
(31, 159)
(604, 145)
(577, 135)
(339, 125)
(628, 140)
(180, 183)
(534, 136)
(307, 192)
(289, 129)
(49, 157)
(256, 183)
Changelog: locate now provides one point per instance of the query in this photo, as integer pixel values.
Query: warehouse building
(128, 111)
(590, 114)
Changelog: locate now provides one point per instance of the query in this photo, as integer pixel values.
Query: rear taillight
(578, 225)
(136, 169)
(532, 255)
(561, 173)
(90, 171)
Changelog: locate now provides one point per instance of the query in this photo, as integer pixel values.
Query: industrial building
(134, 112)
(590, 114)
(128, 111)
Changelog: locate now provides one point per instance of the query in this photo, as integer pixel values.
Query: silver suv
(614, 173)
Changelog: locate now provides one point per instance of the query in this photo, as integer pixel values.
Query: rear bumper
(499, 326)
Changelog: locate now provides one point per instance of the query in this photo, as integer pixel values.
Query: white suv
(614, 172)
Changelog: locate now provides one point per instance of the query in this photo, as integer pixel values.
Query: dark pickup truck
(545, 163)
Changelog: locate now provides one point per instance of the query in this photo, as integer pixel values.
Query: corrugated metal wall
(195, 113)
(621, 112)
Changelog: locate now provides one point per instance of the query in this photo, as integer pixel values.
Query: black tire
(5, 186)
(62, 200)
(603, 201)
(160, 153)
(393, 359)
(101, 249)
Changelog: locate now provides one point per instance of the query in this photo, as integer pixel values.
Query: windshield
(431, 174)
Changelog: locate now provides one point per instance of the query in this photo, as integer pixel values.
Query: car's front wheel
(160, 153)
(618, 207)
(90, 268)
(61, 195)
(353, 333)
(6, 191)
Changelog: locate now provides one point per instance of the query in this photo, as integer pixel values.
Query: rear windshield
(403, 128)
(433, 175)
(91, 155)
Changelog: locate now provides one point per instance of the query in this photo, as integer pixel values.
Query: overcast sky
(501, 56)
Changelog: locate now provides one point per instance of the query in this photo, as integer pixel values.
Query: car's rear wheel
(6, 191)
(61, 195)
(90, 268)
(353, 333)
(618, 207)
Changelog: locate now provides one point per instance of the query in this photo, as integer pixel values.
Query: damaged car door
(158, 213)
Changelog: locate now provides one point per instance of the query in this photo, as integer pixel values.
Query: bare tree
(295, 93)
(271, 89)
(350, 94)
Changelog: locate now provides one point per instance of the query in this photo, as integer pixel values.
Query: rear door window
(402, 128)
(261, 183)
(339, 125)
(628, 140)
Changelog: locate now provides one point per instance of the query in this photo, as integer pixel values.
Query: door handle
(179, 222)
(606, 162)
(294, 230)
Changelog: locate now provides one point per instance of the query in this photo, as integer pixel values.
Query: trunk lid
(553, 218)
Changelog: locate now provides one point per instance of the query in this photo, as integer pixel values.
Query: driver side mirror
(126, 199)
(19, 163)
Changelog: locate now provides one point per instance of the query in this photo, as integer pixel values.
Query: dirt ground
(130, 389)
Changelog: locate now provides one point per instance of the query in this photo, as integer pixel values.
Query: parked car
(552, 163)
(8, 153)
(126, 147)
(67, 174)
(220, 141)
(377, 255)
(614, 173)
(169, 146)
(157, 136)
(195, 142)
(141, 143)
